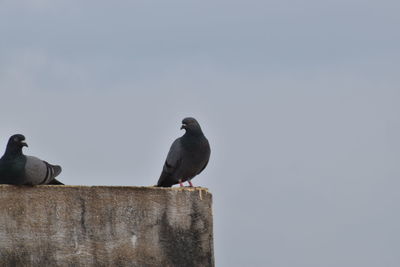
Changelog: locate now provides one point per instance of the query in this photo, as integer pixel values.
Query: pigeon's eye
(16, 139)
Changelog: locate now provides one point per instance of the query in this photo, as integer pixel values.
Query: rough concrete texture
(105, 226)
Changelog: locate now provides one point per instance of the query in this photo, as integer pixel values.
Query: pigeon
(18, 169)
(187, 157)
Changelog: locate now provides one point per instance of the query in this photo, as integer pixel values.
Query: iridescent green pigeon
(18, 169)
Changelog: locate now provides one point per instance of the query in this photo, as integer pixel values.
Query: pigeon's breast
(194, 160)
(192, 166)
(12, 171)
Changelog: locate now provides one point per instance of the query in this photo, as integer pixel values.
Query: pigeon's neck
(194, 133)
(12, 152)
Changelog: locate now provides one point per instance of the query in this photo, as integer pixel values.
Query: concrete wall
(105, 226)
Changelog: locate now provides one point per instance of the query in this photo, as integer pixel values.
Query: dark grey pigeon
(18, 169)
(187, 157)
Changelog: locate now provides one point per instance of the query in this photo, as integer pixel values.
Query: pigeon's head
(17, 141)
(190, 125)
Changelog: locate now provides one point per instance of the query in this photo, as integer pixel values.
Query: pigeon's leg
(180, 183)
(190, 183)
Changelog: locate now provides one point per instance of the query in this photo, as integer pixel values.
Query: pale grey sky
(299, 100)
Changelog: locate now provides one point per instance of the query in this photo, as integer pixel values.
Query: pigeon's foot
(180, 183)
(190, 183)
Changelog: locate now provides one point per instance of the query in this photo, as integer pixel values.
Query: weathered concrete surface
(105, 226)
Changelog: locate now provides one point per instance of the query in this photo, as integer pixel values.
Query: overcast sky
(299, 100)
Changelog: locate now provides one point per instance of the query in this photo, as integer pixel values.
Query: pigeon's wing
(38, 171)
(172, 163)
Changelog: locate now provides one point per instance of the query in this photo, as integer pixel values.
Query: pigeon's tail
(164, 185)
(56, 170)
(55, 182)
(165, 180)
(52, 172)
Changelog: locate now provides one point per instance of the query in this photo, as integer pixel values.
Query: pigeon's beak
(24, 143)
(183, 126)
